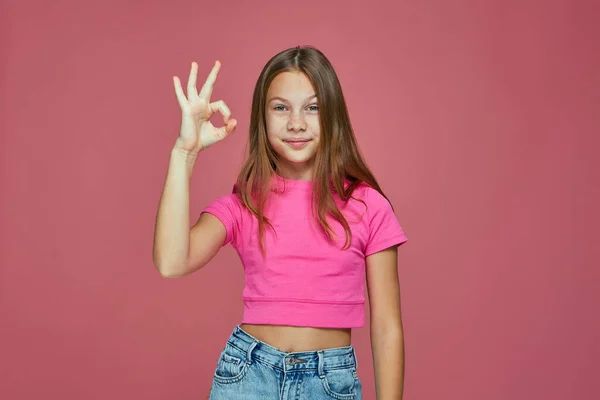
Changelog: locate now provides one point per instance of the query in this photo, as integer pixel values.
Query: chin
(298, 161)
(298, 158)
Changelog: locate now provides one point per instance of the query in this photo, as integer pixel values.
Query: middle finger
(191, 86)
(207, 89)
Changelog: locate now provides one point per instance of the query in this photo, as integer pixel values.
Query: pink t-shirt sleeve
(227, 210)
(384, 229)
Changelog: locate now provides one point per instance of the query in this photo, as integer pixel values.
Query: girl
(309, 222)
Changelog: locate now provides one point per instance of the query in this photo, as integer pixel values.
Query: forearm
(172, 230)
(388, 362)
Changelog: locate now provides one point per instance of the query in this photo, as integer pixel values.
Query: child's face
(293, 127)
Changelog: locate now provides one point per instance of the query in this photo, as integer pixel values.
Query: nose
(296, 122)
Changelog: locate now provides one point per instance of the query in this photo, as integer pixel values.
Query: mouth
(297, 143)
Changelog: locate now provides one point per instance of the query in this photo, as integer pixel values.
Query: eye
(313, 107)
(279, 108)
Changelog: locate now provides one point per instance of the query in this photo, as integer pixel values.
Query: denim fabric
(251, 370)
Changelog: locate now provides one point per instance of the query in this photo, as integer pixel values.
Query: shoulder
(383, 225)
(370, 196)
(230, 202)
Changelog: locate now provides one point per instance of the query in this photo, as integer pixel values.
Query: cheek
(315, 125)
(272, 132)
(273, 137)
(274, 125)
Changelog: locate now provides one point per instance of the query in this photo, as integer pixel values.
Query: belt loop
(321, 369)
(355, 359)
(249, 354)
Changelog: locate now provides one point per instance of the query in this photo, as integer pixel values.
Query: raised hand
(197, 132)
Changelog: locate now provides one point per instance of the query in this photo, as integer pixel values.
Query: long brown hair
(337, 159)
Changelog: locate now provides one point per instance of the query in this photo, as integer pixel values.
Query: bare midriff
(292, 339)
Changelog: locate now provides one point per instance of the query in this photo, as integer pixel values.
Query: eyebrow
(287, 101)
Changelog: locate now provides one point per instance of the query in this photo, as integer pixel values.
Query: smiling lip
(297, 143)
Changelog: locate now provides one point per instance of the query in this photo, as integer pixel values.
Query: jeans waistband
(320, 360)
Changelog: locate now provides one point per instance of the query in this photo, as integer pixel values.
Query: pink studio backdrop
(480, 119)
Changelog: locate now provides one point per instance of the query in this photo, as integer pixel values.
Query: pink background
(479, 118)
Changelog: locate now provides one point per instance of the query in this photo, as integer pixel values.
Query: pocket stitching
(231, 359)
(339, 396)
(231, 379)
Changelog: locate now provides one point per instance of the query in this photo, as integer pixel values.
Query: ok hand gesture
(197, 132)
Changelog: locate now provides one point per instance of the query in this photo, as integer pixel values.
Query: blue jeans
(253, 370)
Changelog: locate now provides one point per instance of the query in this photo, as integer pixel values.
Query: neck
(295, 173)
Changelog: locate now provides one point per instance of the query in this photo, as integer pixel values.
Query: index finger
(207, 88)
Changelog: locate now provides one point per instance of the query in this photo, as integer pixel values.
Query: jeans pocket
(231, 366)
(340, 384)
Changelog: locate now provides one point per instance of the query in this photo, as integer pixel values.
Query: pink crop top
(306, 280)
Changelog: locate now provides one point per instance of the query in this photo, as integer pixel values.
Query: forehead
(290, 85)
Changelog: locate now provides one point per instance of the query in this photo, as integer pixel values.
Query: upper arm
(384, 289)
(207, 236)
(381, 257)
(217, 226)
